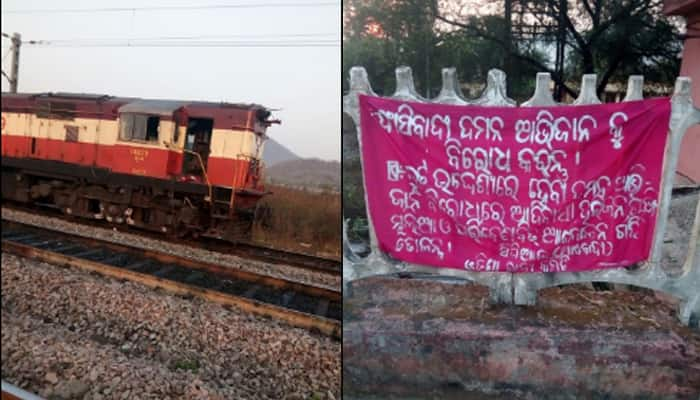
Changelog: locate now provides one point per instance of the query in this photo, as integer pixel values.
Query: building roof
(681, 7)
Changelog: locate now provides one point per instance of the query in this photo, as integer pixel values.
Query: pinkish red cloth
(541, 189)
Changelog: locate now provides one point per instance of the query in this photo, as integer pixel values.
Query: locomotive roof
(129, 104)
(156, 107)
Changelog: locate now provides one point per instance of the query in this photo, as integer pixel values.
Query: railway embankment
(132, 238)
(69, 333)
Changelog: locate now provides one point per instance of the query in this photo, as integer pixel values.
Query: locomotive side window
(139, 127)
(72, 133)
(55, 110)
(152, 129)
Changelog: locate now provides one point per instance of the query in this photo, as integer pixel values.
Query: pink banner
(542, 189)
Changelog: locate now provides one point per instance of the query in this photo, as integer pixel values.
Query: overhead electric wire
(244, 40)
(172, 8)
(196, 44)
(232, 36)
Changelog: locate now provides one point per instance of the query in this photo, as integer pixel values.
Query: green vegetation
(299, 220)
(187, 365)
(613, 38)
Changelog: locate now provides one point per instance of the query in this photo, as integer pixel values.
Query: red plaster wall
(689, 164)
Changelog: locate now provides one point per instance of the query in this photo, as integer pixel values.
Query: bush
(300, 220)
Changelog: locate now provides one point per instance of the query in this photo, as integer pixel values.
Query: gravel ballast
(71, 334)
(133, 239)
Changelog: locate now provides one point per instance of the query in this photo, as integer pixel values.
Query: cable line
(192, 44)
(270, 35)
(171, 8)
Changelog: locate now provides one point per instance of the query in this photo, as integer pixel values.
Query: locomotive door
(35, 151)
(197, 140)
(29, 141)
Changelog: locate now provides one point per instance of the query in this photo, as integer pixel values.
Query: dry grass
(300, 220)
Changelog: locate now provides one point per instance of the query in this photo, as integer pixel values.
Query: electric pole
(16, 39)
(508, 40)
(14, 72)
(561, 50)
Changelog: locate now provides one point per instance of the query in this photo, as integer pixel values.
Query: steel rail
(300, 305)
(242, 249)
(12, 392)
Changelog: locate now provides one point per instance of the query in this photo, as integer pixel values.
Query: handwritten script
(542, 189)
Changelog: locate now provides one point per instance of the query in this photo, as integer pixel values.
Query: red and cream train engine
(180, 167)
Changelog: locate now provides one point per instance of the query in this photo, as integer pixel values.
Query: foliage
(187, 365)
(358, 229)
(474, 56)
(409, 36)
(353, 191)
(387, 34)
(643, 42)
(612, 38)
(300, 220)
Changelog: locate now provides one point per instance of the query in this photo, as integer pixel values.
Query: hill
(308, 173)
(275, 153)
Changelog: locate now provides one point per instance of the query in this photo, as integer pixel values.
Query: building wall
(688, 165)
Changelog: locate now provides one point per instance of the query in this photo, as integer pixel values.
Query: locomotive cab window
(197, 140)
(139, 127)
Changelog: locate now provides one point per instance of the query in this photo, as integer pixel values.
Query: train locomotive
(178, 167)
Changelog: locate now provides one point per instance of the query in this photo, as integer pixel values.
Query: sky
(303, 82)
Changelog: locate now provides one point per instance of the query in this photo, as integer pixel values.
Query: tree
(383, 35)
(610, 37)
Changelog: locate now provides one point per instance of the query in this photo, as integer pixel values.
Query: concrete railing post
(522, 288)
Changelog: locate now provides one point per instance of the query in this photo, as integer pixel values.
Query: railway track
(244, 250)
(305, 306)
(12, 392)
